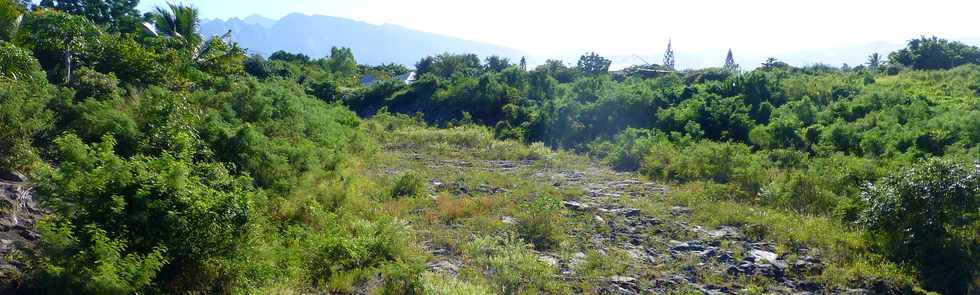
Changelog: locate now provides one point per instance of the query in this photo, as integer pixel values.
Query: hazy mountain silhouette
(314, 35)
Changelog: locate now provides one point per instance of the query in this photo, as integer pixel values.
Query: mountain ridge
(314, 35)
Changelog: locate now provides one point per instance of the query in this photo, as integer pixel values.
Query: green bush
(513, 267)
(23, 117)
(89, 83)
(137, 214)
(929, 215)
(409, 184)
(18, 64)
(540, 223)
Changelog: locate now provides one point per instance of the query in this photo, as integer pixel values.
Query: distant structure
(730, 62)
(407, 78)
(523, 64)
(669, 56)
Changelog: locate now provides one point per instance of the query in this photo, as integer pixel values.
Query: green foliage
(935, 53)
(341, 63)
(23, 117)
(627, 149)
(540, 223)
(409, 184)
(101, 267)
(11, 16)
(118, 14)
(513, 267)
(928, 215)
(18, 64)
(56, 38)
(592, 64)
(89, 83)
(178, 21)
(497, 64)
(449, 65)
(183, 166)
(144, 210)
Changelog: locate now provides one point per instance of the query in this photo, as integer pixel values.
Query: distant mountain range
(314, 35)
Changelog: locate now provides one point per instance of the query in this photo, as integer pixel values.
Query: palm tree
(874, 61)
(178, 21)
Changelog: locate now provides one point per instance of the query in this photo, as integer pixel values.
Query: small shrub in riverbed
(540, 223)
(409, 184)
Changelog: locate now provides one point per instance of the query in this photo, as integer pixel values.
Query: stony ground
(18, 214)
(648, 246)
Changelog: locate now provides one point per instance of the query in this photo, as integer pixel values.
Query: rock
(508, 220)
(725, 232)
(640, 255)
(678, 210)
(13, 176)
(764, 255)
(808, 286)
(624, 284)
(599, 219)
(726, 258)
(577, 259)
(576, 206)
(686, 247)
(768, 257)
(440, 252)
(548, 259)
(630, 212)
(443, 266)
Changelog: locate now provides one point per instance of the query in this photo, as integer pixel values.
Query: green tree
(929, 215)
(935, 53)
(772, 63)
(57, 36)
(341, 63)
(180, 22)
(11, 16)
(114, 13)
(592, 64)
(497, 64)
(874, 61)
(23, 115)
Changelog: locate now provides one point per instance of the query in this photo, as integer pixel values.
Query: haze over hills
(314, 35)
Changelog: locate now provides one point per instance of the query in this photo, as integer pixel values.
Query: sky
(551, 27)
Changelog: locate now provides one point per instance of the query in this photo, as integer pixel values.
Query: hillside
(314, 35)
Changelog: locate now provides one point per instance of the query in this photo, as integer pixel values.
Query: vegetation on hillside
(173, 162)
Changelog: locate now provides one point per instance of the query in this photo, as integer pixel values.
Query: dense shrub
(89, 83)
(409, 184)
(139, 213)
(23, 117)
(929, 215)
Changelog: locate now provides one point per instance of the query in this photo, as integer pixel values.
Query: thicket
(168, 168)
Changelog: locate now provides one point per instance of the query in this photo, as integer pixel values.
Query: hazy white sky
(552, 27)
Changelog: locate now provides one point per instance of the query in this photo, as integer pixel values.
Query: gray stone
(13, 176)
(768, 257)
(576, 206)
(686, 247)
